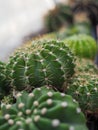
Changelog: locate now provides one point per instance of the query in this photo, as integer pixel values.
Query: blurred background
(21, 20)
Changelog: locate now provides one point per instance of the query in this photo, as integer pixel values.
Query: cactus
(83, 46)
(3, 84)
(58, 17)
(43, 109)
(84, 88)
(47, 63)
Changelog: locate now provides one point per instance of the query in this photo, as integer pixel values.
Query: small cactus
(47, 63)
(43, 109)
(58, 17)
(83, 46)
(84, 88)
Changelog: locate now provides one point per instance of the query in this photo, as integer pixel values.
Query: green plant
(58, 17)
(46, 63)
(84, 88)
(43, 109)
(83, 46)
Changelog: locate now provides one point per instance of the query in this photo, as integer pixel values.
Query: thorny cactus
(83, 46)
(47, 63)
(58, 17)
(84, 88)
(43, 109)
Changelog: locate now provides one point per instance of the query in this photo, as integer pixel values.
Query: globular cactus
(3, 84)
(84, 88)
(83, 46)
(46, 63)
(43, 109)
(58, 17)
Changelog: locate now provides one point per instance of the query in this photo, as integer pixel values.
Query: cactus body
(84, 88)
(43, 109)
(50, 63)
(82, 45)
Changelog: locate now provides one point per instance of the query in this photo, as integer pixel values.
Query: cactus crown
(83, 46)
(47, 63)
(42, 109)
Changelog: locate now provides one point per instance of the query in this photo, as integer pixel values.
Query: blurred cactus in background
(58, 17)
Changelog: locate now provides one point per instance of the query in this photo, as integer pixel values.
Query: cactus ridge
(47, 63)
(42, 109)
(83, 46)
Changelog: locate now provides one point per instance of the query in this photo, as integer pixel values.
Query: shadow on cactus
(83, 46)
(43, 109)
(3, 85)
(46, 63)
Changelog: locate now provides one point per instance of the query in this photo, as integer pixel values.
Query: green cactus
(83, 46)
(3, 84)
(84, 88)
(58, 17)
(47, 63)
(43, 109)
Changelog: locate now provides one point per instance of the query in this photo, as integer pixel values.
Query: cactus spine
(42, 109)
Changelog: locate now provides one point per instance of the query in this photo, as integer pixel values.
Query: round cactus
(58, 17)
(83, 46)
(48, 63)
(42, 109)
(84, 88)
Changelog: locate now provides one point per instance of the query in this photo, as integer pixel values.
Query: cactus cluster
(83, 46)
(58, 17)
(46, 63)
(42, 109)
(84, 88)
